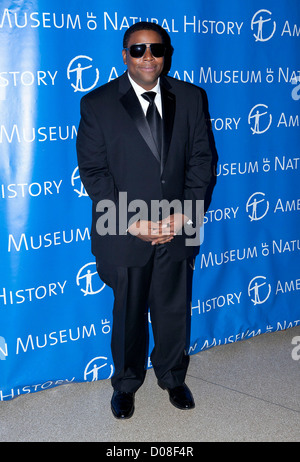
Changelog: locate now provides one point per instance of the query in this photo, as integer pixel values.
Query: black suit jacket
(116, 153)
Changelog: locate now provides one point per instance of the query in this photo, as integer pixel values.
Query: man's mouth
(148, 68)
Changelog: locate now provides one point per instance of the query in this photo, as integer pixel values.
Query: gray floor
(246, 391)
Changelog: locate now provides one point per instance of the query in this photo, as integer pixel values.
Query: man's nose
(148, 55)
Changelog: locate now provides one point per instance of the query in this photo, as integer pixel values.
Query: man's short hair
(143, 25)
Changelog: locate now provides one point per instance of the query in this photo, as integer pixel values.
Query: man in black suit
(142, 140)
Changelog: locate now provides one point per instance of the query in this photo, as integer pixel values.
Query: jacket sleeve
(198, 166)
(92, 157)
(95, 174)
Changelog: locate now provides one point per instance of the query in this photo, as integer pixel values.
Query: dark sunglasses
(138, 50)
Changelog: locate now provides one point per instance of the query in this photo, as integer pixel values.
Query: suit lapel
(134, 109)
(169, 108)
(131, 103)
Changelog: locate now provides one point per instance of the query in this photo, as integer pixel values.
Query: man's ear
(124, 54)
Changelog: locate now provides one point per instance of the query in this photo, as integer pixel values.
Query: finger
(163, 231)
(162, 240)
(165, 222)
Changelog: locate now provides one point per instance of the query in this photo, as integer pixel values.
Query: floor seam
(243, 393)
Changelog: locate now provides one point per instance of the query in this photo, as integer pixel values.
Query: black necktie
(153, 118)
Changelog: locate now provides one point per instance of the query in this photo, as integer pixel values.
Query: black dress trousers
(164, 286)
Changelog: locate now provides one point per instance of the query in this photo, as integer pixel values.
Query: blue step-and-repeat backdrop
(55, 313)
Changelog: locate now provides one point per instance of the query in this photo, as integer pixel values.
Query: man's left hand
(170, 226)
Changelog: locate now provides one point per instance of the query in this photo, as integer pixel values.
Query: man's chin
(148, 78)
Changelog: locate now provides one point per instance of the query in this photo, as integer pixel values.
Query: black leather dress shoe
(181, 396)
(122, 404)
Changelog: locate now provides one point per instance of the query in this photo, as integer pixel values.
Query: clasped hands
(159, 232)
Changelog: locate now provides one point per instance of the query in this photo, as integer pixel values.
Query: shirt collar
(140, 90)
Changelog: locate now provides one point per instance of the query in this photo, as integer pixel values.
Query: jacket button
(163, 181)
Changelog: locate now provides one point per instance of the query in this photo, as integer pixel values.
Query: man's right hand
(148, 231)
